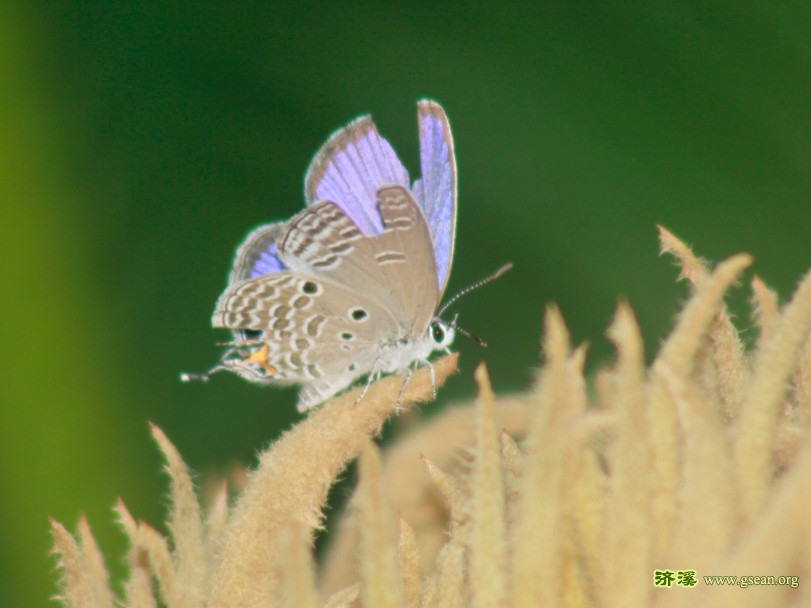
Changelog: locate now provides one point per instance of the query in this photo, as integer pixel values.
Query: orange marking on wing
(260, 357)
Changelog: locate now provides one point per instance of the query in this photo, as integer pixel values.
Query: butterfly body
(348, 287)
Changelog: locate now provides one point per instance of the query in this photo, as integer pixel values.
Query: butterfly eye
(437, 332)
(441, 334)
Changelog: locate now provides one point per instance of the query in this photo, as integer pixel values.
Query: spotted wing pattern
(396, 269)
(344, 299)
(314, 329)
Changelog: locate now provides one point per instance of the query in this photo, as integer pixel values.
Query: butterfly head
(441, 334)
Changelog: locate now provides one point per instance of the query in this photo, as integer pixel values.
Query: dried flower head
(695, 466)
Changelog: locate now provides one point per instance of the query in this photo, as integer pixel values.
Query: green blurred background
(140, 141)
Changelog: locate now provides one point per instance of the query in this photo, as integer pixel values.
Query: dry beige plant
(568, 496)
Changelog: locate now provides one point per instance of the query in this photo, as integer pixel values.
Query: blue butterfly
(349, 287)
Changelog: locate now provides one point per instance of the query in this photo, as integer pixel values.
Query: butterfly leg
(373, 377)
(430, 367)
(408, 373)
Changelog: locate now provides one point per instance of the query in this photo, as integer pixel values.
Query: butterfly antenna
(468, 289)
(195, 377)
(477, 339)
(192, 377)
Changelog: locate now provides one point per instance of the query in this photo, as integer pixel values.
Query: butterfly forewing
(436, 189)
(406, 258)
(395, 269)
(350, 168)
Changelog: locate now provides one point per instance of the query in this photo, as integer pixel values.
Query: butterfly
(349, 287)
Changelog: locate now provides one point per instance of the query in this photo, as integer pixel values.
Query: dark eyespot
(251, 334)
(309, 288)
(438, 333)
(358, 314)
(347, 336)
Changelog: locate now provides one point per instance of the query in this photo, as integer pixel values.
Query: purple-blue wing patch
(267, 263)
(257, 255)
(435, 191)
(350, 168)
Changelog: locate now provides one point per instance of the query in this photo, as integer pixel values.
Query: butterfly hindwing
(313, 328)
(257, 255)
